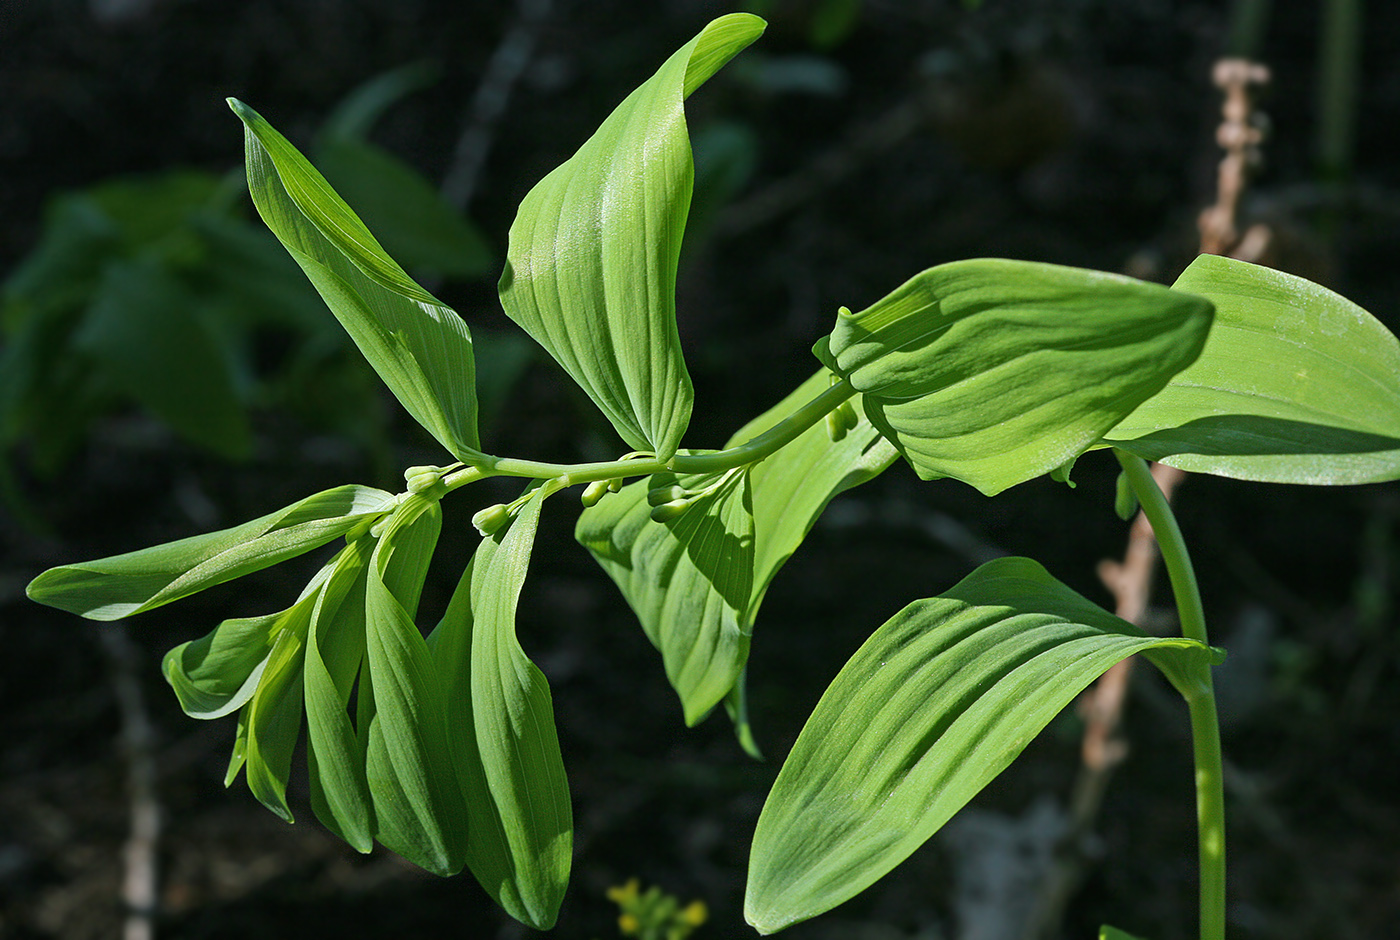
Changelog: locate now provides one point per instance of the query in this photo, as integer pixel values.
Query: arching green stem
(784, 432)
(1200, 696)
(749, 452)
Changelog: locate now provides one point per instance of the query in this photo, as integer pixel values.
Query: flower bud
(490, 520)
(668, 511)
(594, 492)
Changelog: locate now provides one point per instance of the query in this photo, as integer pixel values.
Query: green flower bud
(835, 427)
(1125, 501)
(594, 492)
(668, 511)
(665, 494)
(490, 520)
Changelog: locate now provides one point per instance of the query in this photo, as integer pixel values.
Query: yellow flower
(621, 894)
(695, 913)
(628, 924)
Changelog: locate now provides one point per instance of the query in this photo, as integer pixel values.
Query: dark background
(1071, 132)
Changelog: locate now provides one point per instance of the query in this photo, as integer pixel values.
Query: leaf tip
(245, 113)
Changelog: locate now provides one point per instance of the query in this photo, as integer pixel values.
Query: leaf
(689, 580)
(216, 674)
(670, 573)
(420, 348)
(793, 486)
(1113, 933)
(411, 218)
(270, 722)
(591, 265)
(417, 807)
(129, 584)
(933, 706)
(145, 332)
(274, 713)
(994, 372)
(1296, 385)
(505, 746)
(335, 650)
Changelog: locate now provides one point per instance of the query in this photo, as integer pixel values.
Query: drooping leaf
(689, 579)
(126, 585)
(216, 674)
(933, 706)
(793, 486)
(668, 572)
(146, 332)
(274, 713)
(335, 652)
(1297, 384)
(505, 746)
(417, 807)
(591, 265)
(420, 348)
(993, 371)
(270, 722)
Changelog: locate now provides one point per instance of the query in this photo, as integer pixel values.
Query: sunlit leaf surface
(591, 266)
(1297, 384)
(934, 705)
(994, 372)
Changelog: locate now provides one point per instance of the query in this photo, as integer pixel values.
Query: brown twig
(141, 880)
(503, 71)
(1240, 134)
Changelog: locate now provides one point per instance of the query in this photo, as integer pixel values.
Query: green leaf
(591, 265)
(273, 714)
(1296, 385)
(270, 722)
(417, 807)
(146, 333)
(335, 650)
(793, 486)
(216, 674)
(994, 372)
(410, 217)
(125, 585)
(689, 579)
(696, 583)
(933, 706)
(1113, 933)
(505, 746)
(420, 348)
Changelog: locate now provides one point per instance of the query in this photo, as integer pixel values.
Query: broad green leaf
(1296, 385)
(505, 746)
(933, 706)
(335, 650)
(125, 585)
(145, 331)
(994, 372)
(689, 580)
(216, 674)
(417, 807)
(420, 348)
(671, 574)
(591, 266)
(410, 217)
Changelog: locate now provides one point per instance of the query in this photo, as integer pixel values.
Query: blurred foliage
(159, 292)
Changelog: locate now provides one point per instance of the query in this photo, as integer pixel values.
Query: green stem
(1200, 695)
(749, 452)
